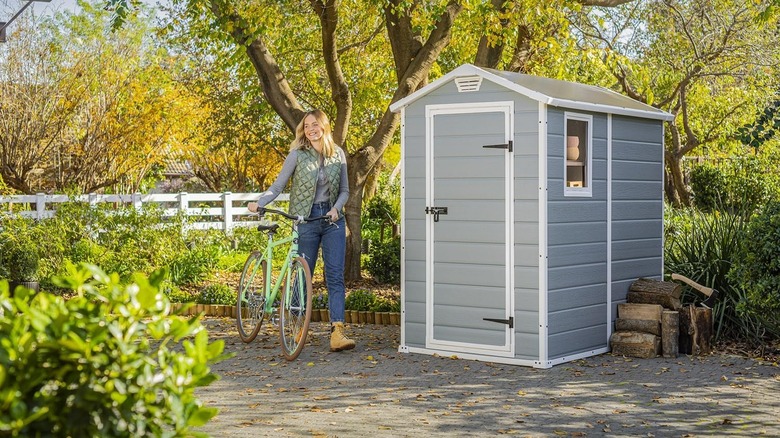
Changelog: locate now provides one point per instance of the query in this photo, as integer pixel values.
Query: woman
(318, 168)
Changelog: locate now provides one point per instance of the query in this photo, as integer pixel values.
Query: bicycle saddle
(269, 227)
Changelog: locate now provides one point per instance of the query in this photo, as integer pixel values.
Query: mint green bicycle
(281, 294)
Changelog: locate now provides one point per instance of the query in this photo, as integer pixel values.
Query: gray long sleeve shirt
(323, 188)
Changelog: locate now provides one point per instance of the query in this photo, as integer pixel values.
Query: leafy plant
(175, 294)
(384, 263)
(193, 266)
(705, 247)
(758, 270)
(320, 301)
(20, 253)
(359, 299)
(382, 304)
(217, 293)
(109, 361)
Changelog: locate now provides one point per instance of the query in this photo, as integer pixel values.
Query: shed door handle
(510, 322)
(507, 146)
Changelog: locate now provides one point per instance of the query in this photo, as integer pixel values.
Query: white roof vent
(468, 83)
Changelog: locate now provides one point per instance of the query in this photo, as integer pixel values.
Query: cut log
(657, 287)
(640, 311)
(670, 333)
(667, 301)
(635, 344)
(696, 330)
(638, 325)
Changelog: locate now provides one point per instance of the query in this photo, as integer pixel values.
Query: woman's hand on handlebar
(254, 207)
(333, 214)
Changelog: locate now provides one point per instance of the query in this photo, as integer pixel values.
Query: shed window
(577, 153)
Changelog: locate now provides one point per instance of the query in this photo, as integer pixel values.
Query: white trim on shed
(552, 92)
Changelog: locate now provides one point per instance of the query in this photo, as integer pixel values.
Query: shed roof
(549, 91)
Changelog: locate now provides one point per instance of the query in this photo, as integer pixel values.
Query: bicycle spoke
(250, 301)
(295, 311)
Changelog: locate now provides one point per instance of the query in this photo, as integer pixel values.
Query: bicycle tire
(250, 298)
(293, 318)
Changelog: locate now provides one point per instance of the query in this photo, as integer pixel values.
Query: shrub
(195, 265)
(384, 263)
(217, 293)
(758, 270)
(359, 299)
(106, 362)
(176, 294)
(704, 247)
(320, 301)
(382, 304)
(709, 186)
(21, 257)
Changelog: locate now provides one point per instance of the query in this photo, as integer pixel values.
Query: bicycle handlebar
(262, 210)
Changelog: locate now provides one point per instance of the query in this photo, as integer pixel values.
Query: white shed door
(469, 233)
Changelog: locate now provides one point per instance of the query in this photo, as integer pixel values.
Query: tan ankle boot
(338, 340)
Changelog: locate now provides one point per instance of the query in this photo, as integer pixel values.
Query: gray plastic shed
(529, 205)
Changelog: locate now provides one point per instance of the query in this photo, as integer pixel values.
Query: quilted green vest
(304, 180)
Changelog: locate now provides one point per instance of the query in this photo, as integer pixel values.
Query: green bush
(739, 184)
(384, 263)
(320, 301)
(382, 304)
(758, 269)
(705, 247)
(217, 293)
(176, 294)
(194, 266)
(709, 186)
(19, 251)
(359, 299)
(109, 361)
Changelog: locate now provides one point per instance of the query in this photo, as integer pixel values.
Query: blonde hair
(301, 142)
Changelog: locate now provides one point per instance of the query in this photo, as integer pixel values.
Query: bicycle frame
(272, 286)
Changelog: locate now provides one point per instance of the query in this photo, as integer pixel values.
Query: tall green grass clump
(708, 247)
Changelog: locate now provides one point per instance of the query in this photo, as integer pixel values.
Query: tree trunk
(678, 190)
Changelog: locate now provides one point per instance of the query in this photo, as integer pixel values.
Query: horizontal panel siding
(581, 210)
(635, 129)
(458, 188)
(527, 345)
(574, 276)
(637, 229)
(622, 210)
(585, 253)
(637, 171)
(471, 274)
(573, 342)
(470, 232)
(527, 287)
(581, 296)
(468, 252)
(636, 249)
(578, 318)
(458, 333)
(637, 190)
(567, 234)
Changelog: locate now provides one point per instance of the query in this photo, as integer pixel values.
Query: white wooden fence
(210, 210)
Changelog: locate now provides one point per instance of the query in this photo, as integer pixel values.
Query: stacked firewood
(653, 322)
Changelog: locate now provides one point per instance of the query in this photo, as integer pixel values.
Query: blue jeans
(333, 239)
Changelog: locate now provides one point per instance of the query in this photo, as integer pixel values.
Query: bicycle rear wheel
(295, 311)
(250, 302)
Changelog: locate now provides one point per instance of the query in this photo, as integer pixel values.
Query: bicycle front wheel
(295, 311)
(250, 302)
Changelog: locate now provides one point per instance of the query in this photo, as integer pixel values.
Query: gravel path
(375, 391)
